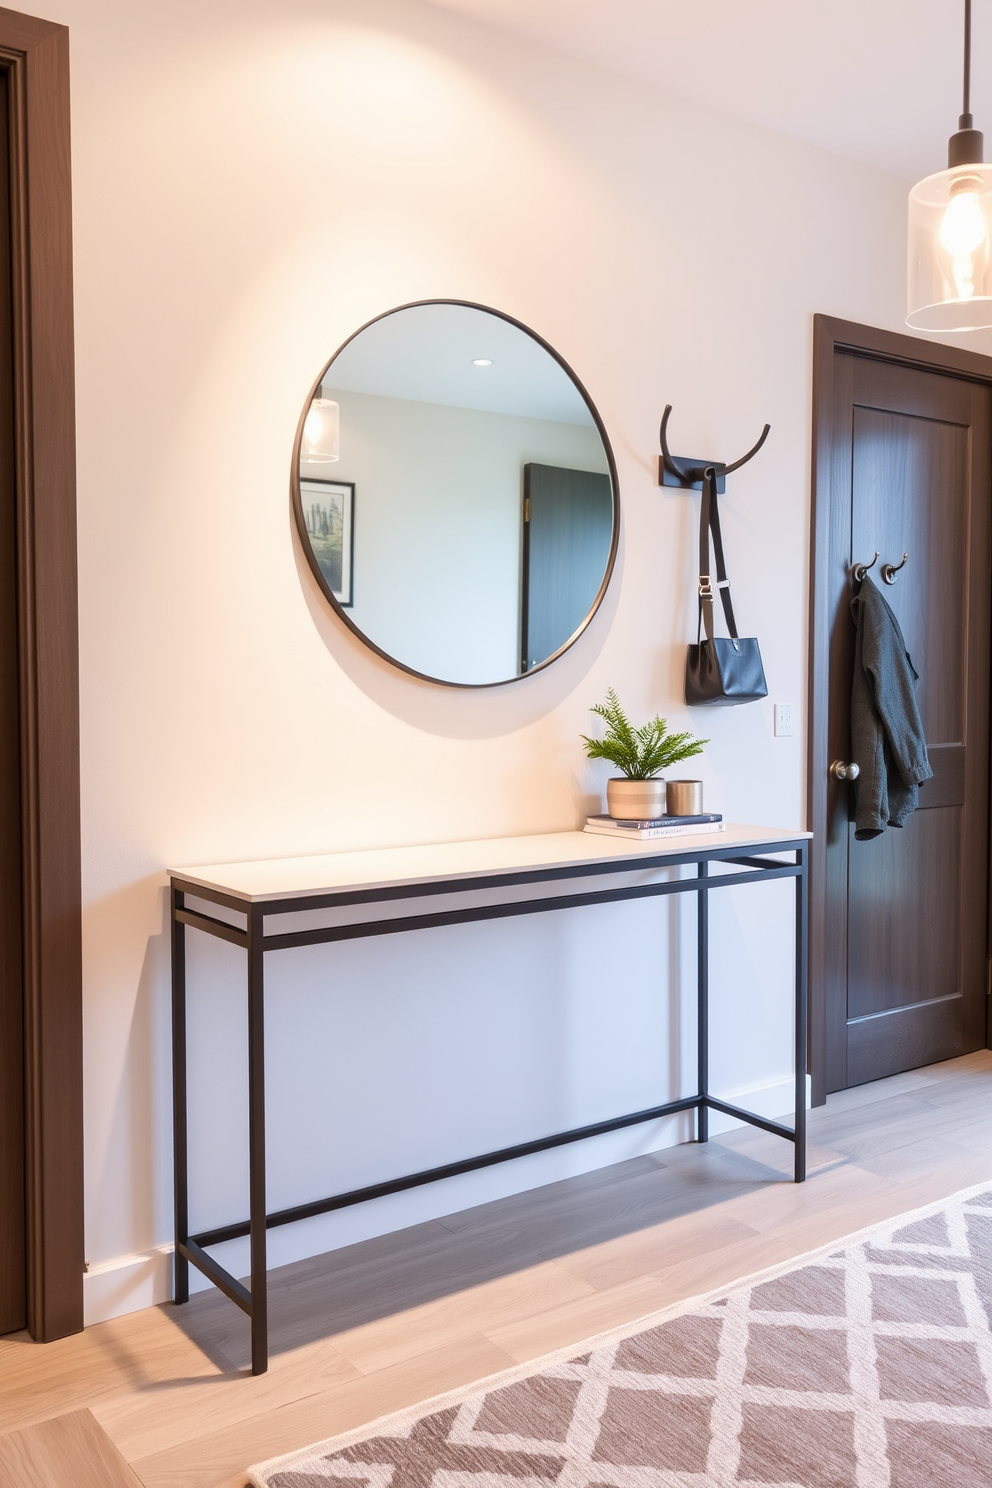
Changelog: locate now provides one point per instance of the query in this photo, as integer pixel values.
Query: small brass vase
(685, 798)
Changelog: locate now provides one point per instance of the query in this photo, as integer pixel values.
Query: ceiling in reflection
(428, 354)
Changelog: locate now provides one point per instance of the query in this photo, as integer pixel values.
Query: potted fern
(640, 754)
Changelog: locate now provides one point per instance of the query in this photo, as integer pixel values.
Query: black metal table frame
(756, 867)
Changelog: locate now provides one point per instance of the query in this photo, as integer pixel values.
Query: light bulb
(963, 227)
(320, 444)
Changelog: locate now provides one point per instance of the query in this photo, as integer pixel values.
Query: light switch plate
(785, 720)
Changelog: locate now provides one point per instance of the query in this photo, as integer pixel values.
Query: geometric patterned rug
(867, 1364)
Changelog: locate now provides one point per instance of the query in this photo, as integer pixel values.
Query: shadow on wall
(141, 1108)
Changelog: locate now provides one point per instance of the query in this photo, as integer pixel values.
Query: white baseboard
(127, 1284)
(773, 1101)
(131, 1282)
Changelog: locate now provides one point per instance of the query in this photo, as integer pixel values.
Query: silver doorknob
(843, 770)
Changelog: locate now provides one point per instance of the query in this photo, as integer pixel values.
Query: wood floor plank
(219, 1456)
(691, 1274)
(608, 1266)
(524, 1339)
(915, 1159)
(178, 1411)
(567, 1196)
(779, 1204)
(135, 1353)
(70, 1451)
(537, 1289)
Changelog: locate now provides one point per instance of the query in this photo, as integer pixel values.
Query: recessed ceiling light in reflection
(482, 361)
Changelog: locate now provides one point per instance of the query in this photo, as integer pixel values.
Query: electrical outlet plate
(785, 720)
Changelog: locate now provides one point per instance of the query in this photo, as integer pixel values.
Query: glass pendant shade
(950, 250)
(321, 443)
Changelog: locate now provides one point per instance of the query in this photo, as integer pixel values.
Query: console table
(261, 892)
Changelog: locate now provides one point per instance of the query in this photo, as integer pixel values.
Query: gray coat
(887, 741)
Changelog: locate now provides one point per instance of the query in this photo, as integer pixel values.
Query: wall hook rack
(687, 473)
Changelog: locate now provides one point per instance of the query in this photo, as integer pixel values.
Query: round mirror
(456, 494)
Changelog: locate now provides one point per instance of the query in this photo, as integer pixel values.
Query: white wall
(438, 515)
(251, 183)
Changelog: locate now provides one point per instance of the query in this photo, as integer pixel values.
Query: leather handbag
(719, 670)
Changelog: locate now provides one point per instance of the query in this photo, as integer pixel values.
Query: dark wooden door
(568, 531)
(906, 934)
(12, 1212)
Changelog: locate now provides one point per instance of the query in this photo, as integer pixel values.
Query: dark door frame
(829, 337)
(35, 55)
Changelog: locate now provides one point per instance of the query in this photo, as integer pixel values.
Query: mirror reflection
(455, 494)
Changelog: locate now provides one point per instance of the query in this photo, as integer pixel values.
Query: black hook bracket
(687, 474)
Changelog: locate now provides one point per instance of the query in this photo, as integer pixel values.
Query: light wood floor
(69, 1451)
(381, 1325)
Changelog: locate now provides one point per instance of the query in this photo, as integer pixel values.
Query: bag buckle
(705, 588)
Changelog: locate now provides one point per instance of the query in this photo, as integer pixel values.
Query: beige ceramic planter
(635, 800)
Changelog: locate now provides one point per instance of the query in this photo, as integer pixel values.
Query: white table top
(328, 873)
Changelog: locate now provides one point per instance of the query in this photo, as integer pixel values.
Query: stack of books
(661, 826)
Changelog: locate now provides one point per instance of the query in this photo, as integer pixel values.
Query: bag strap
(709, 520)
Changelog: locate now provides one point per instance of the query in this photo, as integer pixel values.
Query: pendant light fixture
(321, 444)
(950, 230)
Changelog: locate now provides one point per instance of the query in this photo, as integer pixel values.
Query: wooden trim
(893, 346)
(829, 337)
(36, 56)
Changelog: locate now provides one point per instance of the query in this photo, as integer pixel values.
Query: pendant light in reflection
(321, 443)
(950, 230)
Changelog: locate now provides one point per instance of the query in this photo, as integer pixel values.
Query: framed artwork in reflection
(329, 513)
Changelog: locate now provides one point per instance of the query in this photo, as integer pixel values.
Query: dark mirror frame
(297, 503)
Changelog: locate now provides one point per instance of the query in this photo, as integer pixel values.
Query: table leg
(802, 904)
(702, 1003)
(256, 1142)
(180, 1164)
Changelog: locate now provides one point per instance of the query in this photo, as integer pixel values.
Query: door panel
(903, 883)
(947, 761)
(906, 912)
(568, 530)
(909, 474)
(893, 1041)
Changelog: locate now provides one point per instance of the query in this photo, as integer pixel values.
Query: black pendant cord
(966, 147)
(966, 119)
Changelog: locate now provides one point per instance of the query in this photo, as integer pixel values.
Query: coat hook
(689, 474)
(889, 570)
(860, 569)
